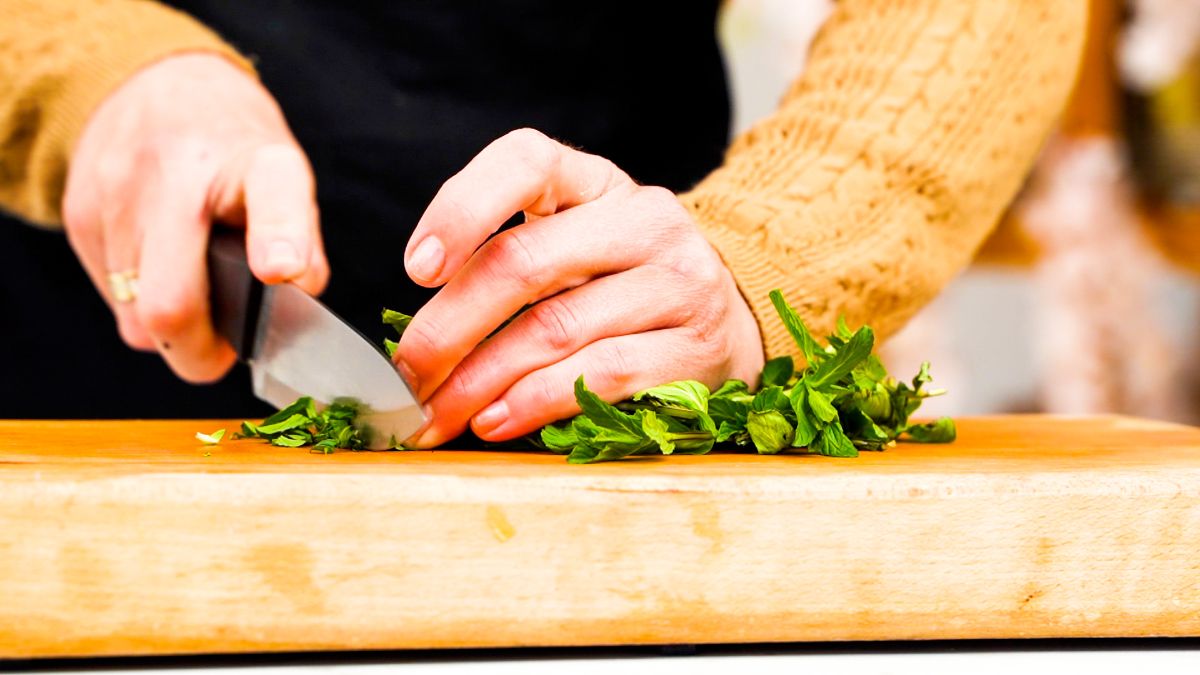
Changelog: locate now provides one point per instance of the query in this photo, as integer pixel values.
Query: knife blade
(296, 346)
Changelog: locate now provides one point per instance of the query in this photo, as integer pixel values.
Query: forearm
(58, 60)
(891, 158)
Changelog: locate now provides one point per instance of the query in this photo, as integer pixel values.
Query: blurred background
(1086, 299)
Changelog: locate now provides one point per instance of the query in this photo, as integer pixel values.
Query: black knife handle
(235, 294)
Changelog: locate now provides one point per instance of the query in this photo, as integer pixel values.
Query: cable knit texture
(874, 183)
(891, 157)
(58, 60)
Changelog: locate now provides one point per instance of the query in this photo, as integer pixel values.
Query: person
(604, 200)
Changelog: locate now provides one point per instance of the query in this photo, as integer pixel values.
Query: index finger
(523, 170)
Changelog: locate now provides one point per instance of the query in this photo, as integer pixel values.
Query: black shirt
(389, 99)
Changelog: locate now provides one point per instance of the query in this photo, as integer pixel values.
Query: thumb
(278, 201)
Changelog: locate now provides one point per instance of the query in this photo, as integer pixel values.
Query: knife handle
(236, 295)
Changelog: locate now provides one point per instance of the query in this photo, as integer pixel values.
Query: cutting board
(129, 537)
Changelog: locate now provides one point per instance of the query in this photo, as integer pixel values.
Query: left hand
(617, 283)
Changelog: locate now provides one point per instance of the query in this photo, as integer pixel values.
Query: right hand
(187, 141)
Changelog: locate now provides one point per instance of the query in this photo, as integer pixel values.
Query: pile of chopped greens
(301, 424)
(841, 402)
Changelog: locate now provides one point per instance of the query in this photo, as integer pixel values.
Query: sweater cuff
(113, 42)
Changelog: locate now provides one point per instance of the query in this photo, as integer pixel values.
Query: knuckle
(281, 153)
(201, 375)
(512, 258)
(707, 270)
(282, 157)
(544, 393)
(613, 369)
(204, 371)
(112, 167)
(555, 324)
(420, 342)
(662, 214)
(166, 313)
(78, 210)
(536, 151)
(525, 137)
(454, 211)
(706, 342)
(133, 336)
(657, 194)
(695, 269)
(461, 386)
(181, 155)
(660, 205)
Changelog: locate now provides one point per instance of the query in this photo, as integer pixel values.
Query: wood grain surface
(125, 538)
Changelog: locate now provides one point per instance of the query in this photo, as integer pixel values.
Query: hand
(186, 141)
(617, 284)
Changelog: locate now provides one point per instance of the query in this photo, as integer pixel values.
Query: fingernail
(409, 374)
(427, 259)
(283, 257)
(490, 418)
(424, 436)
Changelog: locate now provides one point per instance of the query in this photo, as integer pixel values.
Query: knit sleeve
(890, 158)
(58, 60)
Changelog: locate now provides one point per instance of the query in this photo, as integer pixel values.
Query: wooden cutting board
(127, 538)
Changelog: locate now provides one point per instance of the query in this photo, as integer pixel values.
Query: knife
(296, 346)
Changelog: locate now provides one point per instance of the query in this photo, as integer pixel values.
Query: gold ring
(123, 286)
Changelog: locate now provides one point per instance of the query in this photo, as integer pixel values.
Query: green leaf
(657, 431)
(806, 430)
(210, 439)
(837, 366)
(859, 426)
(599, 445)
(877, 405)
(778, 371)
(731, 389)
(923, 377)
(688, 394)
(301, 424)
(728, 406)
(390, 347)
(289, 441)
(869, 373)
(821, 406)
(603, 431)
(733, 431)
(297, 407)
(941, 431)
(770, 431)
(396, 320)
(795, 326)
(843, 331)
(559, 439)
(833, 442)
(771, 398)
(603, 415)
(296, 421)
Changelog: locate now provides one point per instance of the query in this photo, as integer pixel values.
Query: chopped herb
(842, 401)
(210, 439)
(399, 322)
(301, 424)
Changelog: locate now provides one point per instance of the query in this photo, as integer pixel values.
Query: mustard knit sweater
(882, 171)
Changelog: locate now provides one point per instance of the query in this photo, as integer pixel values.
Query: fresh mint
(840, 402)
